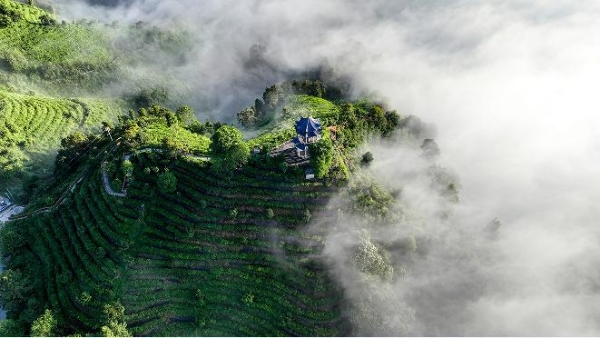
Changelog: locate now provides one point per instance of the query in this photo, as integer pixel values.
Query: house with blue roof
(309, 130)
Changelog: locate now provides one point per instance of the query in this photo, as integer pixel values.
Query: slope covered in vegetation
(190, 247)
(53, 80)
(58, 58)
(31, 128)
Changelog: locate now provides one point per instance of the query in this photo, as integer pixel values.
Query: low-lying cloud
(511, 86)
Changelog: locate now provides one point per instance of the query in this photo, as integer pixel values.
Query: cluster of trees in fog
(273, 99)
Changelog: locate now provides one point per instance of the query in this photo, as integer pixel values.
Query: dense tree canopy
(321, 156)
(229, 149)
(248, 117)
(226, 139)
(167, 182)
(72, 149)
(185, 114)
(370, 260)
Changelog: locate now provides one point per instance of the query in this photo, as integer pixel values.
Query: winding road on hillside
(67, 191)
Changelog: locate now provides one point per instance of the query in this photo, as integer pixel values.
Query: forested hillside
(190, 246)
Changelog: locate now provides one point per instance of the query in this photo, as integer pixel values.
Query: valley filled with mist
(285, 168)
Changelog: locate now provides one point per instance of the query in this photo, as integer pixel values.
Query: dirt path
(107, 186)
(62, 198)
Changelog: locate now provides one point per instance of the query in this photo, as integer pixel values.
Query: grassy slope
(280, 128)
(155, 136)
(61, 44)
(58, 60)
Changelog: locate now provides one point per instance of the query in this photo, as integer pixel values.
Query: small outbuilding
(309, 173)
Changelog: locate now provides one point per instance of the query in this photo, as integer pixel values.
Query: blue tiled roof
(308, 127)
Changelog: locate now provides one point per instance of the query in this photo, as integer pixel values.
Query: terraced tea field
(31, 127)
(216, 257)
(188, 247)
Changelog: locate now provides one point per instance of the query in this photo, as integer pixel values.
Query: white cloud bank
(513, 89)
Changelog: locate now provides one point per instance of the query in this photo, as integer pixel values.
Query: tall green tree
(11, 328)
(248, 117)
(15, 288)
(167, 182)
(72, 149)
(115, 321)
(321, 156)
(272, 96)
(186, 115)
(44, 326)
(225, 139)
(229, 148)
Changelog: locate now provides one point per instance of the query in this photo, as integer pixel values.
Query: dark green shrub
(367, 158)
(167, 182)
